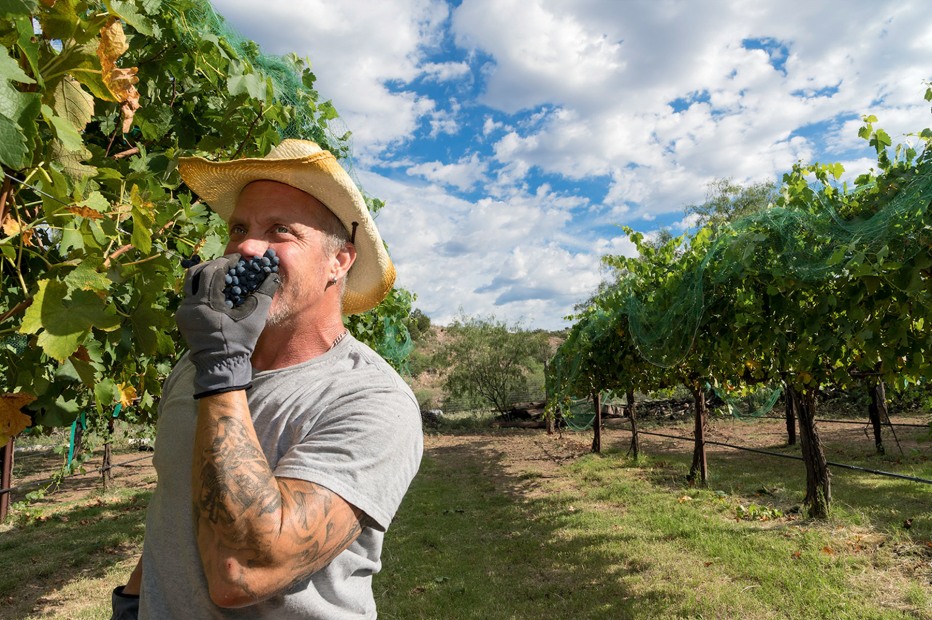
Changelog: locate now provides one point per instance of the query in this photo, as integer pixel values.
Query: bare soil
(524, 452)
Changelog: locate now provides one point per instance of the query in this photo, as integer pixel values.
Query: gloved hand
(124, 606)
(221, 339)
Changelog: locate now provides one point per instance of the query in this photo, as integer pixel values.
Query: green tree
(491, 362)
(418, 324)
(727, 201)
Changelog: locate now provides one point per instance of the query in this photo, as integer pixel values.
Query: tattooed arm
(257, 534)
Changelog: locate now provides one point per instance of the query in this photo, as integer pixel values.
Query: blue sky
(511, 139)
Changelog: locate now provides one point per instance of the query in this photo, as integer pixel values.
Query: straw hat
(304, 165)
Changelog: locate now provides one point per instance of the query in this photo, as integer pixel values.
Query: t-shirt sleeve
(366, 448)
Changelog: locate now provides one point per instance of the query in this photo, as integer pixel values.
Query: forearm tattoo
(235, 477)
(315, 536)
(265, 521)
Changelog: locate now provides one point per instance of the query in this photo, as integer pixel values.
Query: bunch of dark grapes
(247, 275)
(187, 263)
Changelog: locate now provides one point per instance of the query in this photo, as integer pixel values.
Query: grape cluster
(247, 275)
(187, 263)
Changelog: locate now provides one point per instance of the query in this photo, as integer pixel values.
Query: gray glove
(221, 339)
(125, 606)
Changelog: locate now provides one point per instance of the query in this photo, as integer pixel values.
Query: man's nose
(249, 247)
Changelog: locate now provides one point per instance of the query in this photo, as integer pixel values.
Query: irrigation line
(788, 456)
(99, 470)
(829, 421)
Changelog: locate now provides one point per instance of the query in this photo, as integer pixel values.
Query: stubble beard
(281, 305)
(290, 299)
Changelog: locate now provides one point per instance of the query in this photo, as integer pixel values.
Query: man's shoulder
(365, 356)
(374, 372)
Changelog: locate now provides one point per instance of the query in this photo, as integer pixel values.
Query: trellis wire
(787, 456)
(99, 470)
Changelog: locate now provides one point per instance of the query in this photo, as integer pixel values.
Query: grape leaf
(13, 152)
(10, 70)
(17, 7)
(86, 277)
(71, 102)
(62, 321)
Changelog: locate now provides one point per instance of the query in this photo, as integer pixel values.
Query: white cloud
(445, 71)
(486, 257)
(463, 175)
(646, 101)
(686, 223)
(357, 49)
(490, 126)
(611, 115)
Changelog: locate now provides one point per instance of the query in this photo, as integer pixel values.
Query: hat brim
(320, 175)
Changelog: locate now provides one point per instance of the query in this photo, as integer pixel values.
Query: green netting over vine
(587, 335)
(809, 243)
(774, 285)
(579, 414)
(291, 82)
(396, 344)
(754, 404)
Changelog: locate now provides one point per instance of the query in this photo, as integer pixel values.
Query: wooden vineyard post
(597, 423)
(877, 412)
(6, 477)
(699, 461)
(818, 476)
(632, 415)
(790, 416)
(106, 469)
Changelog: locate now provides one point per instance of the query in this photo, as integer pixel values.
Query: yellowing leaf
(85, 212)
(127, 394)
(118, 80)
(121, 83)
(12, 420)
(128, 109)
(11, 226)
(112, 43)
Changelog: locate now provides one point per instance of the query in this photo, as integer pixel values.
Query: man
(284, 445)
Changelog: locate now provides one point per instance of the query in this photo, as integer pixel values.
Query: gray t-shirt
(344, 420)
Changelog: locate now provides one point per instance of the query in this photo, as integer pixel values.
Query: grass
(68, 552)
(615, 540)
(601, 536)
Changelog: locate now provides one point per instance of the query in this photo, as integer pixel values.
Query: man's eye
(282, 229)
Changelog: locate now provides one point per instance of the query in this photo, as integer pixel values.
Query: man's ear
(344, 259)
